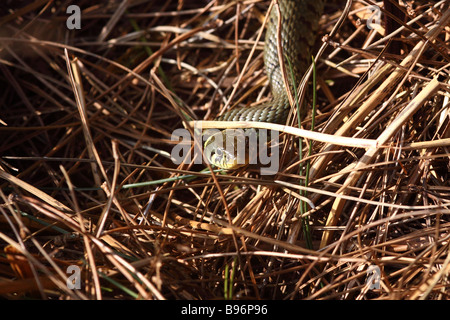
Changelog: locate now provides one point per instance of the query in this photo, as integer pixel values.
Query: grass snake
(299, 22)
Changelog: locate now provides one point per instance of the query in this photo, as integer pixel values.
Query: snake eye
(219, 152)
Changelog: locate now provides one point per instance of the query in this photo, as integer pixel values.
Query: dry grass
(87, 180)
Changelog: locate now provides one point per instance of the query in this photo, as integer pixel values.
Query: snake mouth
(231, 148)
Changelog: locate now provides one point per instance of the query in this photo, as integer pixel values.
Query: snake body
(299, 22)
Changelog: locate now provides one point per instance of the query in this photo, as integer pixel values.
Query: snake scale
(299, 23)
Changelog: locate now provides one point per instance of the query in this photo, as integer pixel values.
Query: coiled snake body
(299, 21)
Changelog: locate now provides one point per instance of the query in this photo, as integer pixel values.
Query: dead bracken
(89, 190)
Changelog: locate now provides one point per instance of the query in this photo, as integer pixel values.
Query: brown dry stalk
(383, 139)
(383, 90)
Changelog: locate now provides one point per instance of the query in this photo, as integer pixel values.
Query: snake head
(228, 149)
